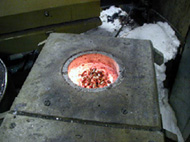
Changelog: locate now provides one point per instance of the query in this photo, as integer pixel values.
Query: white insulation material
(109, 26)
(164, 39)
(161, 35)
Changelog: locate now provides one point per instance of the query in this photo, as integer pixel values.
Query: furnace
(91, 70)
(89, 88)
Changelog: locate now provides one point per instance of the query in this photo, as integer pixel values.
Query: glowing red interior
(93, 71)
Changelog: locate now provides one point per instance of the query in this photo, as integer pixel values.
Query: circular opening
(93, 70)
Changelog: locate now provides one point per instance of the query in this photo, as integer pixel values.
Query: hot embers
(94, 78)
(93, 71)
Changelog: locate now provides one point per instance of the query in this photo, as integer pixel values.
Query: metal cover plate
(29, 129)
(132, 102)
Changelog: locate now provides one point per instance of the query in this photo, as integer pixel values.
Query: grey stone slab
(135, 92)
(29, 129)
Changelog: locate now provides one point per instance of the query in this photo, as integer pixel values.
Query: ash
(163, 38)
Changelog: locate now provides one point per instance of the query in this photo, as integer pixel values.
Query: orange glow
(93, 71)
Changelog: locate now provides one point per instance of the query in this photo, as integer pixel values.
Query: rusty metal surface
(30, 129)
(132, 101)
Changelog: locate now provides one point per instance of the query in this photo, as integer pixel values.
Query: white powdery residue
(110, 11)
(111, 27)
(161, 35)
(108, 28)
(164, 39)
(170, 32)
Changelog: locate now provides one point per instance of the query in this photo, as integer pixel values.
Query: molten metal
(93, 71)
(94, 78)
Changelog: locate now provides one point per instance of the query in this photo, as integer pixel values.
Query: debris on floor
(111, 22)
(163, 39)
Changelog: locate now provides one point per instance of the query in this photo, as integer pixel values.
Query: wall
(177, 12)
